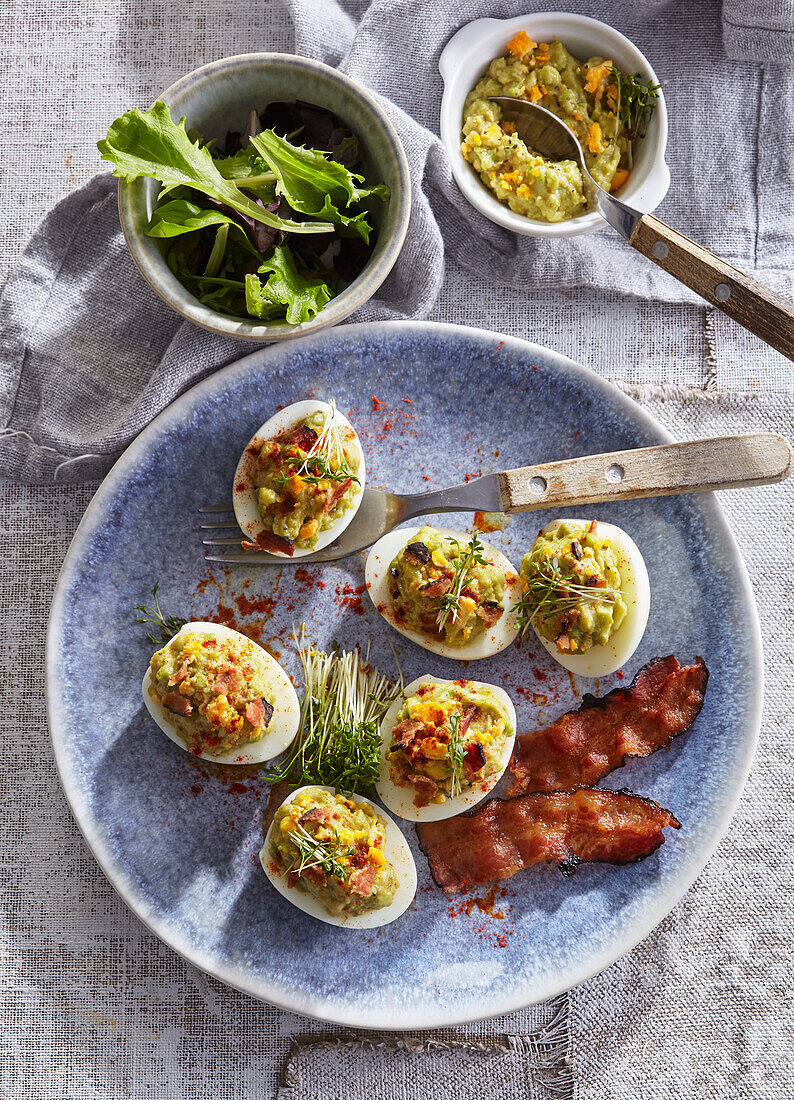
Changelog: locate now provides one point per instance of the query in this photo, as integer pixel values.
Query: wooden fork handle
(753, 305)
(730, 462)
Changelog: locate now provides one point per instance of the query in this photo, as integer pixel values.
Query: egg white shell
(286, 708)
(494, 639)
(603, 660)
(396, 851)
(401, 799)
(244, 499)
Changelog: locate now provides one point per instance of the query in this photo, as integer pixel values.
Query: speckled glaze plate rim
(325, 1008)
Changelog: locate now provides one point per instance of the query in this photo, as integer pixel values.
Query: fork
(728, 462)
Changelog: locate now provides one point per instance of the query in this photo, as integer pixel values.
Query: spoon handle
(729, 462)
(754, 306)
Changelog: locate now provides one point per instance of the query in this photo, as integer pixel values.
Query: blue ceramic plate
(178, 838)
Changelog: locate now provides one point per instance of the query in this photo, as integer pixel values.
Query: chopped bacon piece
(405, 731)
(259, 712)
(362, 879)
(436, 588)
(315, 813)
(177, 704)
(336, 493)
(425, 787)
(274, 544)
(313, 874)
(474, 758)
(583, 745)
(504, 836)
(490, 612)
(180, 674)
(303, 437)
(417, 553)
(428, 623)
(466, 719)
(226, 681)
(361, 855)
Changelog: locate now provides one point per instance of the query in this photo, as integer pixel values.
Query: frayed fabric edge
(547, 1050)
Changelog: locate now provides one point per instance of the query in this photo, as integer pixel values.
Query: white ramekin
(465, 58)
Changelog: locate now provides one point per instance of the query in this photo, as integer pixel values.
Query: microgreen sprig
(167, 627)
(327, 448)
(343, 704)
(456, 755)
(450, 603)
(550, 591)
(317, 853)
(636, 102)
(315, 468)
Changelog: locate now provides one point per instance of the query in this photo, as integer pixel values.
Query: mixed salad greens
(266, 228)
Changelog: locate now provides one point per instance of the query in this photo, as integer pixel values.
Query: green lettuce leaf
(314, 185)
(304, 297)
(175, 218)
(150, 143)
(247, 169)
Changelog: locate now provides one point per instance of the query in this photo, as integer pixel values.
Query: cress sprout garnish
(634, 104)
(450, 603)
(168, 627)
(326, 460)
(313, 852)
(456, 754)
(344, 701)
(552, 590)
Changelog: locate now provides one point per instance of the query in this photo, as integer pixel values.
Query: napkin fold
(760, 29)
(89, 354)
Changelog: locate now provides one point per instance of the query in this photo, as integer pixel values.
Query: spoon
(758, 309)
(697, 466)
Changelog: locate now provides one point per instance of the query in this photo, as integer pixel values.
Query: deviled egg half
(445, 590)
(339, 858)
(220, 696)
(444, 745)
(300, 480)
(587, 595)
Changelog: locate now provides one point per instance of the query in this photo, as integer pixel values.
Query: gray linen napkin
(88, 354)
(759, 29)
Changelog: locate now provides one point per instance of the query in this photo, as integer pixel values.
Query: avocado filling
(572, 588)
(306, 478)
(332, 847)
(215, 690)
(584, 94)
(446, 738)
(445, 589)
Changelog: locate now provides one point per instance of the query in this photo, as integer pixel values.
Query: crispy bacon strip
(583, 745)
(504, 836)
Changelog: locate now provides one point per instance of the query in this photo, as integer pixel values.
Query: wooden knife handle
(730, 462)
(754, 306)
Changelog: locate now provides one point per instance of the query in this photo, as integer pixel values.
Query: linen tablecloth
(93, 1005)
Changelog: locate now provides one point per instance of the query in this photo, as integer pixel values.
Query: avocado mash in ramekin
(585, 94)
(566, 63)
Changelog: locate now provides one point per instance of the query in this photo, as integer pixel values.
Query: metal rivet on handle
(722, 292)
(615, 473)
(659, 249)
(538, 485)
